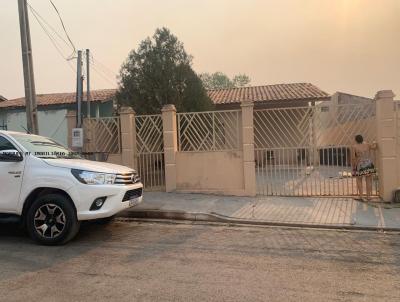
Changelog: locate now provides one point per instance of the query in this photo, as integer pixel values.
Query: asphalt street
(152, 261)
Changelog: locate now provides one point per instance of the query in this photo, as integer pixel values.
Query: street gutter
(214, 217)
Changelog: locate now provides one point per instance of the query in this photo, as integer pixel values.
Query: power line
(101, 68)
(103, 65)
(35, 12)
(63, 26)
(102, 75)
(110, 76)
(52, 40)
(98, 67)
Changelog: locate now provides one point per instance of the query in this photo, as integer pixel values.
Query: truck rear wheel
(51, 220)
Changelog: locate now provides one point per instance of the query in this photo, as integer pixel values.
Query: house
(341, 98)
(52, 111)
(52, 108)
(287, 135)
(285, 128)
(268, 96)
(346, 113)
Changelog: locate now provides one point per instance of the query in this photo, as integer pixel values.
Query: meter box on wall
(77, 137)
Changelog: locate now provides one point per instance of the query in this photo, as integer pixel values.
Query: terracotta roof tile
(102, 95)
(279, 92)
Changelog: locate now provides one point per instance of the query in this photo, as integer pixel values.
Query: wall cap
(247, 104)
(383, 94)
(168, 107)
(126, 110)
(71, 113)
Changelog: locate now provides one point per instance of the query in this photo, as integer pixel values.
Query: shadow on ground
(19, 254)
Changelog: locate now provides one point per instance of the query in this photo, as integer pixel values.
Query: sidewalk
(324, 212)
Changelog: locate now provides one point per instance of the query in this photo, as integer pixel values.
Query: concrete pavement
(324, 212)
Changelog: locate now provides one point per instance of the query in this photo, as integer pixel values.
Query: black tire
(51, 220)
(105, 221)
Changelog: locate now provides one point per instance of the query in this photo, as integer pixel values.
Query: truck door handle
(15, 172)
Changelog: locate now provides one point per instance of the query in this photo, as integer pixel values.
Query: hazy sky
(339, 45)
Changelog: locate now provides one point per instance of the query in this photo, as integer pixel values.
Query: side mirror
(10, 156)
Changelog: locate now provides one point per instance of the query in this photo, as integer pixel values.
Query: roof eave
(311, 99)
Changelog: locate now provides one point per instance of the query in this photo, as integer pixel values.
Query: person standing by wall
(363, 166)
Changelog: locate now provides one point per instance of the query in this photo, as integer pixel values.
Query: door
(11, 173)
(150, 151)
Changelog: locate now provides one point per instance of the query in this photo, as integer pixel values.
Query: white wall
(52, 123)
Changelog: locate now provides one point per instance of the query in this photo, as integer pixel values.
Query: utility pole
(88, 96)
(27, 62)
(79, 89)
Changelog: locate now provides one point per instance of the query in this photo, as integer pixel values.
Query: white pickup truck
(51, 190)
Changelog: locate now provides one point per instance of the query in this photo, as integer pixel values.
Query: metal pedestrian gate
(306, 151)
(150, 151)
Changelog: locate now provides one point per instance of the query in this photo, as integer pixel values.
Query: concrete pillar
(170, 146)
(249, 170)
(71, 124)
(386, 140)
(128, 137)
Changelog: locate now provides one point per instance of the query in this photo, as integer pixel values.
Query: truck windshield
(43, 147)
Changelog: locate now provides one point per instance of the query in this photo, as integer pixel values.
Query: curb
(214, 217)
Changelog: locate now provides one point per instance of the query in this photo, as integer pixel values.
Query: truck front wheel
(51, 220)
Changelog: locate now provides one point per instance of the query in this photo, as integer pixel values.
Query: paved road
(128, 261)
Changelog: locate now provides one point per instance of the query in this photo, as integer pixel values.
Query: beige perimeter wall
(212, 172)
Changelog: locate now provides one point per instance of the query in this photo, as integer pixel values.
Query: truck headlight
(94, 178)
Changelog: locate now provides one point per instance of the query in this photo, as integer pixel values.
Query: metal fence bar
(104, 135)
(208, 131)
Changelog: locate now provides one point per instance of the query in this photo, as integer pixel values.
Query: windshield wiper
(44, 143)
(69, 157)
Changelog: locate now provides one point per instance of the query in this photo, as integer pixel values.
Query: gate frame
(286, 131)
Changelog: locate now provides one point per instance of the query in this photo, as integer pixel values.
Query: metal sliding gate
(150, 151)
(306, 151)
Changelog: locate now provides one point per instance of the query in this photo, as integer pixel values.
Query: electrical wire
(103, 65)
(63, 26)
(102, 75)
(109, 76)
(107, 73)
(35, 12)
(98, 67)
(52, 40)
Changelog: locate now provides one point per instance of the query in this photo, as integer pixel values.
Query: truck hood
(88, 165)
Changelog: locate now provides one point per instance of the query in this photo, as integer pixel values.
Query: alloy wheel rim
(49, 221)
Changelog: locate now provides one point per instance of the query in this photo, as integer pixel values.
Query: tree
(219, 80)
(241, 80)
(159, 72)
(216, 80)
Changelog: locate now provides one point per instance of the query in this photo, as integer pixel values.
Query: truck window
(5, 144)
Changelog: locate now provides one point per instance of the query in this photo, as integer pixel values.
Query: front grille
(131, 194)
(127, 178)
